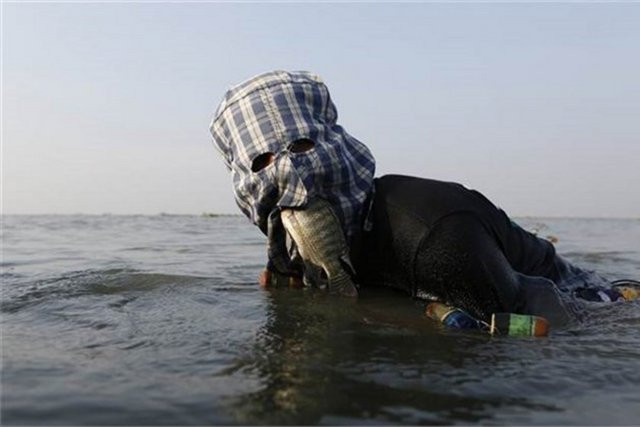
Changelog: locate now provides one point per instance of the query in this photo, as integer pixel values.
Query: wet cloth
(447, 242)
(266, 114)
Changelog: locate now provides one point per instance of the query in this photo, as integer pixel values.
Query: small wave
(601, 256)
(91, 282)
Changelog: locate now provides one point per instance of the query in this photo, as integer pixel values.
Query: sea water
(159, 320)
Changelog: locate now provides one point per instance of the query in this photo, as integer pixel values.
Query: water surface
(158, 320)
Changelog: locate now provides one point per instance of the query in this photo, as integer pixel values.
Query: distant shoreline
(204, 214)
(217, 215)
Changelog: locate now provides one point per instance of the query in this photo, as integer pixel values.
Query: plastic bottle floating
(454, 317)
(621, 290)
(511, 324)
(518, 325)
(629, 289)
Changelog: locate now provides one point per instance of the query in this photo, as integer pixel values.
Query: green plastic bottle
(518, 325)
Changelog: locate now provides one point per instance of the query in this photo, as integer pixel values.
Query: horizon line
(222, 214)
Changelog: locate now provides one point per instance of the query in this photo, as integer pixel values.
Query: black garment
(454, 244)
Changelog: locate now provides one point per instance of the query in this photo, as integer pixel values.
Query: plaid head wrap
(266, 114)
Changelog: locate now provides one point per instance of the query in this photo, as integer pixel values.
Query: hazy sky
(106, 107)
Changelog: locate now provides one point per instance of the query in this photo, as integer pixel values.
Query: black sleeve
(451, 242)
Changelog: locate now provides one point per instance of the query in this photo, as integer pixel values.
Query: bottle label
(521, 325)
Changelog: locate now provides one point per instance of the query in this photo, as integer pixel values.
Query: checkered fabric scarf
(266, 114)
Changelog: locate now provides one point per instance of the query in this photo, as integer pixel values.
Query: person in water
(279, 137)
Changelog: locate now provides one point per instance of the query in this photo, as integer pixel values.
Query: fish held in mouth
(320, 240)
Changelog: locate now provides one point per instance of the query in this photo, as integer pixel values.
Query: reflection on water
(158, 320)
(322, 360)
(318, 360)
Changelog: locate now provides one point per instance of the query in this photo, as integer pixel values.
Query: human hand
(270, 279)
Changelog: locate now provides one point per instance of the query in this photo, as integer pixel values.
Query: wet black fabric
(448, 241)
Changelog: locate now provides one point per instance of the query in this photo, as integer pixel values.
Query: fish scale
(319, 238)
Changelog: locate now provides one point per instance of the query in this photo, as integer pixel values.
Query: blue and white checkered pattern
(266, 114)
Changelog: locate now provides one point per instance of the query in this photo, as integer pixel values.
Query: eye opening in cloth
(262, 161)
(301, 145)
